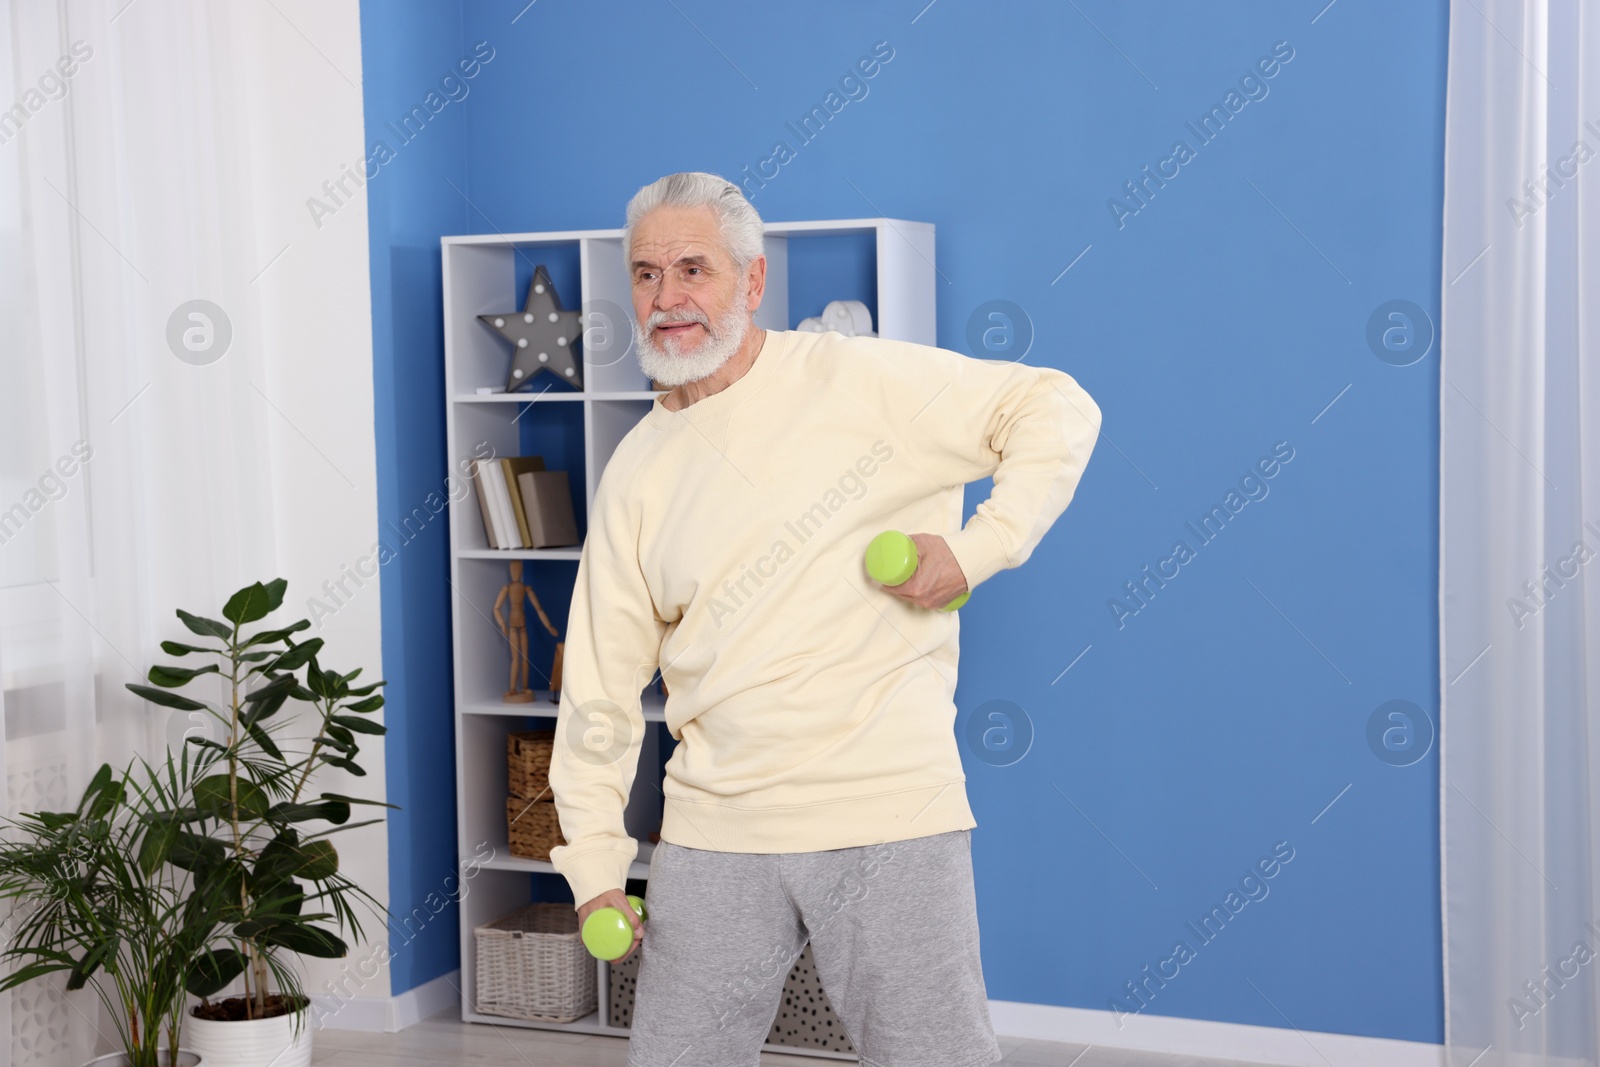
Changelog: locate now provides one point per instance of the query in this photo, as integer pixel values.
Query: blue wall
(1214, 320)
(405, 52)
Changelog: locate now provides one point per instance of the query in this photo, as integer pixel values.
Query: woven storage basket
(532, 828)
(532, 965)
(528, 763)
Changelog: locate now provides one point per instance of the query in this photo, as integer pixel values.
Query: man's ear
(756, 276)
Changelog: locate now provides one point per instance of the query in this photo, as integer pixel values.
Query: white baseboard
(1205, 1039)
(386, 1014)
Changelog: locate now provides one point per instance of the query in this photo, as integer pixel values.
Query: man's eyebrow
(692, 260)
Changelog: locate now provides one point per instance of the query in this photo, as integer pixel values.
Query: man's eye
(694, 270)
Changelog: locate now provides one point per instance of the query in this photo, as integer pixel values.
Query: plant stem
(311, 759)
(234, 652)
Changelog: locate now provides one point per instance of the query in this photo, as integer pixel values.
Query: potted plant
(237, 824)
(83, 902)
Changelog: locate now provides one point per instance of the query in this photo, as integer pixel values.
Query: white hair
(740, 225)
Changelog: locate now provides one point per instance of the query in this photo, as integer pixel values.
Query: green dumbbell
(892, 559)
(607, 934)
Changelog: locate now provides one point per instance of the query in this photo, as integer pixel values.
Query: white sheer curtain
(1520, 534)
(158, 153)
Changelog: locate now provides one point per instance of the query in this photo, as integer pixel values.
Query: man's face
(684, 277)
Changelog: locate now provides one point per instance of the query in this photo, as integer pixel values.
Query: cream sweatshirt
(814, 710)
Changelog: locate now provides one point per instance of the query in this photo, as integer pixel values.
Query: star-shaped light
(544, 335)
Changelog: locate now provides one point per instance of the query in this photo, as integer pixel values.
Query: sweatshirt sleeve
(1030, 428)
(613, 643)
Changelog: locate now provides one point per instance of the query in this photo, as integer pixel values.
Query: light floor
(444, 1041)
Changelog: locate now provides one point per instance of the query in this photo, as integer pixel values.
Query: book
(500, 507)
(512, 467)
(547, 503)
(484, 511)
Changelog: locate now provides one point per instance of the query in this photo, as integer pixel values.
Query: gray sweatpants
(893, 930)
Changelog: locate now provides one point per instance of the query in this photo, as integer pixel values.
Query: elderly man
(816, 793)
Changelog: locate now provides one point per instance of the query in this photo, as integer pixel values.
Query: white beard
(665, 364)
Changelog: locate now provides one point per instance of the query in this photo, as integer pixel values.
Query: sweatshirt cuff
(978, 552)
(592, 873)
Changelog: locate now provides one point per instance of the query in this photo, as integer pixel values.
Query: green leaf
(166, 699)
(30, 972)
(360, 726)
(214, 796)
(194, 852)
(334, 810)
(307, 940)
(364, 690)
(181, 815)
(335, 742)
(173, 677)
(281, 903)
(102, 779)
(104, 794)
(344, 737)
(318, 860)
(364, 706)
(277, 863)
(293, 900)
(275, 590)
(254, 927)
(261, 738)
(256, 711)
(175, 648)
(91, 962)
(283, 683)
(157, 845)
(342, 763)
(274, 636)
(358, 800)
(206, 627)
(298, 656)
(213, 970)
(250, 604)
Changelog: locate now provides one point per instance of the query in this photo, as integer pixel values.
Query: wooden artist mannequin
(516, 632)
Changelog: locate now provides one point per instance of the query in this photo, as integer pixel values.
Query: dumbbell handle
(892, 560)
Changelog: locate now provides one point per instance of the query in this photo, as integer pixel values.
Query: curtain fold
(1520, 534)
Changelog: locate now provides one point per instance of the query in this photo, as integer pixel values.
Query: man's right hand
(615, 898)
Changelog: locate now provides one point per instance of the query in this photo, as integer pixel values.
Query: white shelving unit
(480, 276)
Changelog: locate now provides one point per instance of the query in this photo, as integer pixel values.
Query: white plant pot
(270, 1042)
(164, 1056)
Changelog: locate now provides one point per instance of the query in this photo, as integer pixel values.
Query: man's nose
(671, 295)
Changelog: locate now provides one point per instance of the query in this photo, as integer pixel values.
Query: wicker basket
(532, 965)
(532, 828)
(528, 763)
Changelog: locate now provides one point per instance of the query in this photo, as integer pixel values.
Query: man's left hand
(937, 579)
